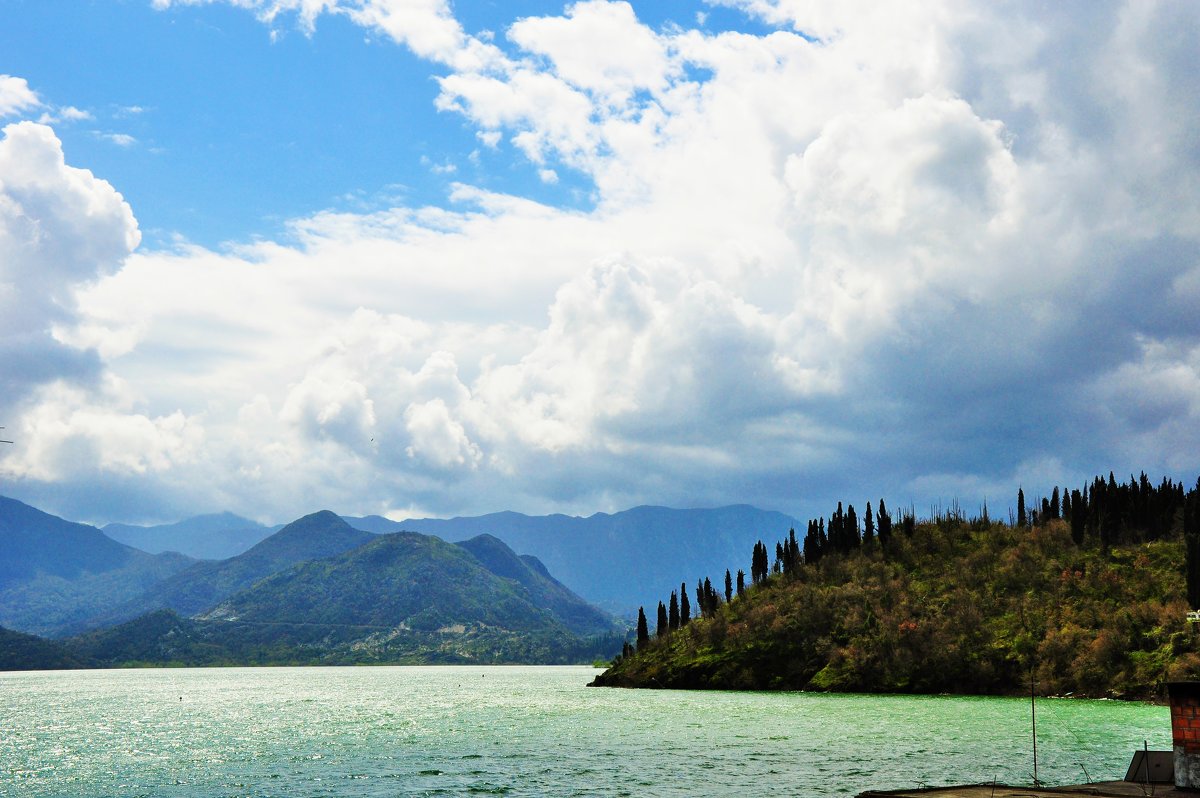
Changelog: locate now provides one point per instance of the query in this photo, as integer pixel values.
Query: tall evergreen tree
(673, 613)
(741, 583)
(1055, 509)
(885, 523)
(685, 608)
(728, 587)
(1078, 517)
(853, 541)
(663, 621)
(643, 633)
(868, 526)
(1022, 516)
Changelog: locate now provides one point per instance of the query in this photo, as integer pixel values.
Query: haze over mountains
(55, 574)
(316, 591)
(328, 589)
(620, 560)
(207, 537)
(614, 560)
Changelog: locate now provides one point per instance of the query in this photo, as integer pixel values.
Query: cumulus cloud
(16, 96)
(59, 227)
(910, 253)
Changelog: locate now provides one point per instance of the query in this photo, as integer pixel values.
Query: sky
(422, 258)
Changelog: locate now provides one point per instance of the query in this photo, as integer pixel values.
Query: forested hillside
(1086, 591)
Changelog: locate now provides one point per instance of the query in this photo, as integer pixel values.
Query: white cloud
(123, 140)
(16, 96)
(68, 113)
(599, 47)
(931, 251)
(59, 227)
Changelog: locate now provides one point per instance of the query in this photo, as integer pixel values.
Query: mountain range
(614, 560)
(330, 589)
(617, 560)
(316, 591)
(216, 536)
(55, 575)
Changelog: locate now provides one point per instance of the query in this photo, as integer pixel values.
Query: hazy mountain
(376, 524)
(207, 583)
(625, 559)
(205, 537)
(55, 575)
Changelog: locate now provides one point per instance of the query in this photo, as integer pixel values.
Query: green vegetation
(55, 576)
(1088, 594)
(403, 598)
(22, 652)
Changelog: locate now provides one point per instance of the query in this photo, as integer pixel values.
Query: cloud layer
(925, 255)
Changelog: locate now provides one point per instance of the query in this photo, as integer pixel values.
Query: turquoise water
(522, 731)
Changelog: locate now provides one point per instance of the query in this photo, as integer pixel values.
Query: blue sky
(413, 257)
(238, 126)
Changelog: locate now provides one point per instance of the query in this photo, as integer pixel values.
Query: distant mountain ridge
(320, 534)
(316, 591)
(616, 560)
(609, 559)
(216, 536)
(55, 574)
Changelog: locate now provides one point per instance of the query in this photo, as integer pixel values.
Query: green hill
(403, 597)
(207, 583)
(22, 652)
(57, 576)
(950, 606)
(544, 590)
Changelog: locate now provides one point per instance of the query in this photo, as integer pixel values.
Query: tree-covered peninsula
(1086, 592)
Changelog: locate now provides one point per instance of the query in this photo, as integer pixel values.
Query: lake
(522, 731)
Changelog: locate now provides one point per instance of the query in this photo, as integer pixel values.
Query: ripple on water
(366, 732)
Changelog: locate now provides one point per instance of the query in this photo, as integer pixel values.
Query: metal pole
(1033, 723)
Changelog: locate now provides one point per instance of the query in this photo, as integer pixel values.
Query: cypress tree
(1022, 517)
(711, 597)
(673, 613)
(741, 583)
(701, 600)
(643, 634)
(728, 587)
(885, 523)
(853, 541)
(812, 550)
(1056, 506)
(837, 524)
(868, 526)
(685, 608)
(663, 621)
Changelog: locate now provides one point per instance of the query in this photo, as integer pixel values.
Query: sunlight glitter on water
(386, 731)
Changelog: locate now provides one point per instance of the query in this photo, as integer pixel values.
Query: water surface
(522, 731)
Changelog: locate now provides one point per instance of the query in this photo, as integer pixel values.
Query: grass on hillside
(956, 607)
